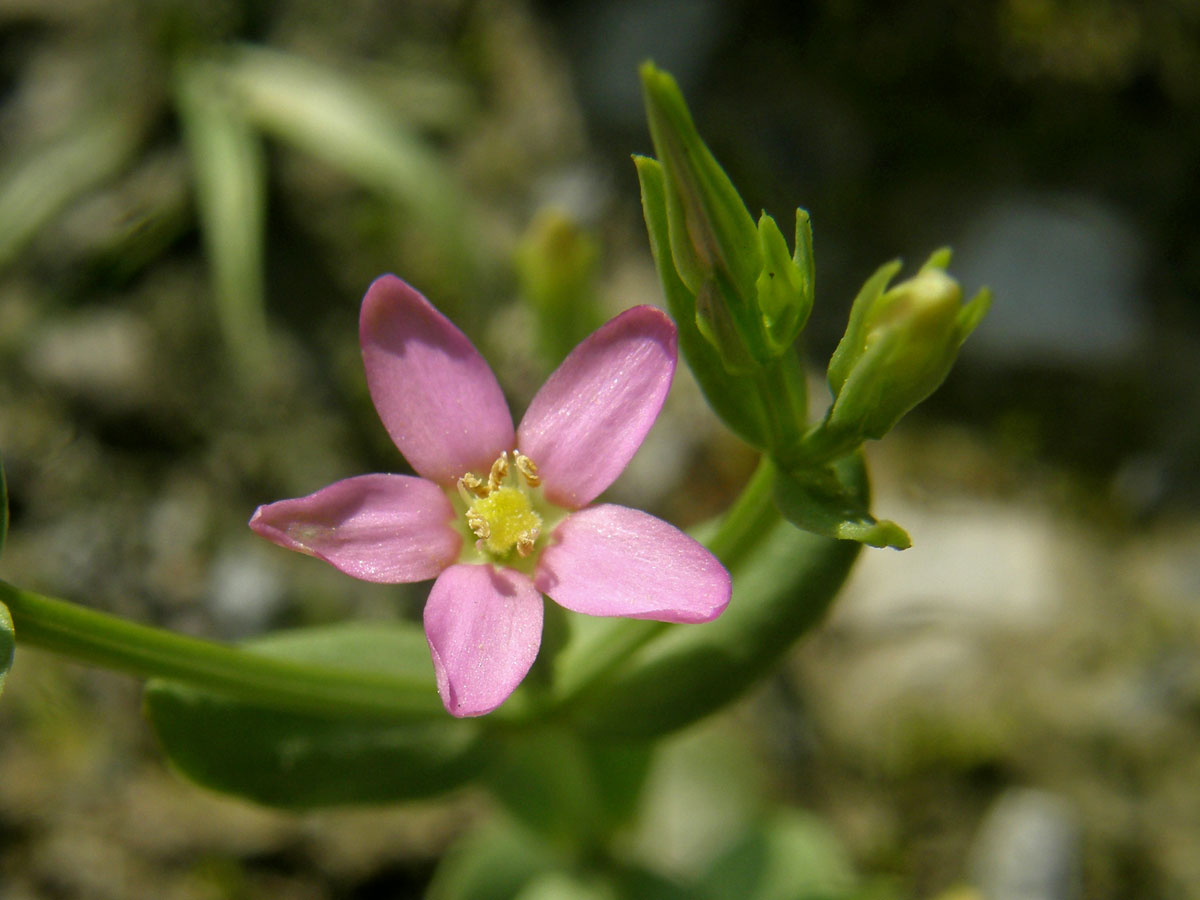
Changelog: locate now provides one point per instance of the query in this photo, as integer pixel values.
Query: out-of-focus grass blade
(44, 179)
(350, 127)
(3, 507)
(229, 174)
(7, 640)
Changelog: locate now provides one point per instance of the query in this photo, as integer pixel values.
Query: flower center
(499, 510)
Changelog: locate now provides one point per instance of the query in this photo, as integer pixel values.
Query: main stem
(99, 639)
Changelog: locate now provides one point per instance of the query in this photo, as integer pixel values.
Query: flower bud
(752, 297)
(898, 348)
(784, 288)
(556, 262)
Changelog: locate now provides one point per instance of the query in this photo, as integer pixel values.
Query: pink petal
(385, 528)
(435, 394)
(484, 627)
(613, 561)
(593, 413)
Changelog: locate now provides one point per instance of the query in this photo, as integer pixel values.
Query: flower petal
(593, 413)
(385, 528)
(437, 397)
(484, 627)
(614, 561)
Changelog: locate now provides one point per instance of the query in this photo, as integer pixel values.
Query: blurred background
(194, 196)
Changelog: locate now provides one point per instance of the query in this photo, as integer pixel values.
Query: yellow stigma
(499, 510)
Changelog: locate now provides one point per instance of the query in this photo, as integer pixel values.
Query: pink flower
(499, 516)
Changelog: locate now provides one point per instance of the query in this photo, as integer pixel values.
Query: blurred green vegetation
(193, 197)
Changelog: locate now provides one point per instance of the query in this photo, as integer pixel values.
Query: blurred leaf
(7, 642)
(556, 262)
(42, 180)
(296, 760)
(791, 856)
(830, 502)
(782, 587)
(3, 506)
(493, 862)
(230, 181)
(567, 789)
(561, 886)
(340, 120)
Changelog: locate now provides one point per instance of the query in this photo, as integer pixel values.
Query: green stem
(744, 524)
(783, 388)
(96, 638)
(747, 521)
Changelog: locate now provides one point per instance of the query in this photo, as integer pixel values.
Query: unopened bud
(898, 348)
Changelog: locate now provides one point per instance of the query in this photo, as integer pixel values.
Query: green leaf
(571, 791)
(296, 760)
(7, 643)
(782, 586)
(493, 862)
(833, 502)
(791, 856)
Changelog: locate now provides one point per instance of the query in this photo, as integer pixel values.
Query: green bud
(785, 285)
(715, 246)
(898, 348)
(556, 263)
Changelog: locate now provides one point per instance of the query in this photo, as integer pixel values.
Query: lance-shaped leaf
(821, 500)
(290, 759)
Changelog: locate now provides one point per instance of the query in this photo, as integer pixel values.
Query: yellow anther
(500, 511)
(528, 469)
(471, 484)
(499, 472)
(479, 524)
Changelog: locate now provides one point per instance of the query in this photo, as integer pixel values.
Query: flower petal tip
(484, 628)
(437, 397)
(594, 411)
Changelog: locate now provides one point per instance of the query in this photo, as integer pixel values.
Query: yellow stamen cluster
(498, 509)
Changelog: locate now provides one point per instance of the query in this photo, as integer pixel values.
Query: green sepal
(829, 501)
(785, 284)
(8, 642)
(845, 352)
(713, 239)
(300, 760)
(782, 586)
(734, 398)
